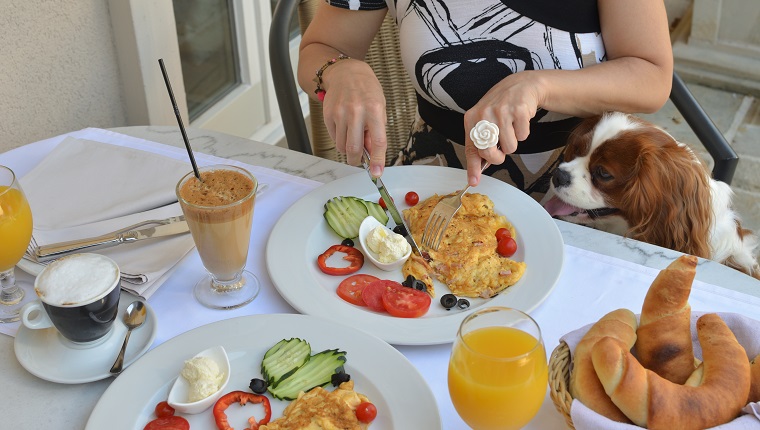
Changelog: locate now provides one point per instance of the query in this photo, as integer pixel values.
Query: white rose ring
(485, 134)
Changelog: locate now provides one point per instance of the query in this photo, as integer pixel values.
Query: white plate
(47, 355)
(302, 233)
(403, 399)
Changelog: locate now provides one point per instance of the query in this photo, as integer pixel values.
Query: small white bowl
(179, 393)
(366, 227)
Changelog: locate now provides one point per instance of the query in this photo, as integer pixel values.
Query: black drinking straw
(179, 119)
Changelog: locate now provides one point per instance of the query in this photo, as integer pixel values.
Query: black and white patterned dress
(456, 50)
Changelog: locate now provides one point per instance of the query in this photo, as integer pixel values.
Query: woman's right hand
(354, 112)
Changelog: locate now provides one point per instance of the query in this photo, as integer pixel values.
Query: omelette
(320, 409)
(466, 260)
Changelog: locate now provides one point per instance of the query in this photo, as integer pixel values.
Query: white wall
(58, 69)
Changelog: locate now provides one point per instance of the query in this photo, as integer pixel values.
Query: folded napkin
(84, 188)
(747, 332)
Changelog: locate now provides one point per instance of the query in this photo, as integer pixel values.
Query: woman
(532, 68)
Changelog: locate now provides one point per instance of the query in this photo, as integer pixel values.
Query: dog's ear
(579, 141)
(671, 195)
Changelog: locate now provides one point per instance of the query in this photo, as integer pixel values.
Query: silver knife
(49, 252)
(395, 214)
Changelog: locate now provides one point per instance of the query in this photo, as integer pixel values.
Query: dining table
(28, 401)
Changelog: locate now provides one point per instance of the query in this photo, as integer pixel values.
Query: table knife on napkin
(55, 250)
(395, 214)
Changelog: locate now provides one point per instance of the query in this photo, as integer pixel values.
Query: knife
(397, 218)
(49, 252)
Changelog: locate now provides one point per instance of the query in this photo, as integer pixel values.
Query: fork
(441, 217)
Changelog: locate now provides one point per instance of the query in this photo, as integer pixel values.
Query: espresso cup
(78, 295)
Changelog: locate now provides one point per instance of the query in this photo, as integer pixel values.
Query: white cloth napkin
(747, 332)
(84, 188)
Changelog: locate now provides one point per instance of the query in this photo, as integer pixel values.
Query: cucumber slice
(283, 359)
(345, 214)
(376, 211)
(316, 372)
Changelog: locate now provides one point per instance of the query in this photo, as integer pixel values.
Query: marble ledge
(298, 164)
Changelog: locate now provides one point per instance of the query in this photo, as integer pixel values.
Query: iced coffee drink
(219, 211)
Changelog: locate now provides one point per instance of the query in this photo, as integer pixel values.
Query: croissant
(585, 386)
(663, 342)
(754, 390)
(656, 403)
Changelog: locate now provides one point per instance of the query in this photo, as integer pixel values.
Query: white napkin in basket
(85, 188)
(747, 332)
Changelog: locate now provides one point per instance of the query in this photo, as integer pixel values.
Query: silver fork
(441, 217)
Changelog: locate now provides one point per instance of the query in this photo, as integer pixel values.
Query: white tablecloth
(590, 285)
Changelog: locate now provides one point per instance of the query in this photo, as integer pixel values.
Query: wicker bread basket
(560, 360)
(559, 381)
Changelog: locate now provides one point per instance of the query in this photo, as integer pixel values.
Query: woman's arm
(636, 78)
(354, 103)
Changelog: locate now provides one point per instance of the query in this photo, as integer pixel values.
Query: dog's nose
(560, 178)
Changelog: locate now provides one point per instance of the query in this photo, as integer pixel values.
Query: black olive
(409, 281)
(258, 386)
(339, 378)
(463, 303)
(399, 229)
(347, 242)
(419, 285)
(448, 301)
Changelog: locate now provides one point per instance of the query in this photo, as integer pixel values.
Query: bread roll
(663, 342)
(619, 325)
(656, 403)
(754, 370)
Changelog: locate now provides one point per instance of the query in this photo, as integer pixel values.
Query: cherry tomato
(366, 412)
(373, 294)
(412, 198)
(381, 202)
(164, 410)
(350, 289)
(404, 302)
(502, 233)
(506, 247)
(172, 422)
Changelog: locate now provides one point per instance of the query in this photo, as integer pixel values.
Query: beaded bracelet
(318, 79)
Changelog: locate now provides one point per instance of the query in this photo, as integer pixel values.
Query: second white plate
(302, 233)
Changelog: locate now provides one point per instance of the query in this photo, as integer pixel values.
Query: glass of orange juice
(15, 234)
(497, 370)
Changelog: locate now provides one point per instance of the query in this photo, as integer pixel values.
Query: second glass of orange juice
(497, 371)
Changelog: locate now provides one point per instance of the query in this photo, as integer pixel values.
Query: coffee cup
(78, 296)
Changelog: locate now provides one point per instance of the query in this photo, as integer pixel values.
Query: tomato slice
(172, 422)
(350, 289)
(373, 294)
(405, 302)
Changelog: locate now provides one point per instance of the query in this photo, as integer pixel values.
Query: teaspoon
(133, 318)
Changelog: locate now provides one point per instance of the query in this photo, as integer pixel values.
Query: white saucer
(47, 355)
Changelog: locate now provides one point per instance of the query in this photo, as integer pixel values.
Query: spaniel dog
(624, 175)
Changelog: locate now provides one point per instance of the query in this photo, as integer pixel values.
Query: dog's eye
(601, 173)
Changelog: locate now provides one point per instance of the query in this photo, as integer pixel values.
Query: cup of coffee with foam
(78, 295)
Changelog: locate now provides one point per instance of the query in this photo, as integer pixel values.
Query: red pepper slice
(353, 256)
(241, 397)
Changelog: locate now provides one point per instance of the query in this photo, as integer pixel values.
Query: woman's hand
(510, 105)
(354, 112)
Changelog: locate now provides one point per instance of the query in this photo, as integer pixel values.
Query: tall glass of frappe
(219, 212)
